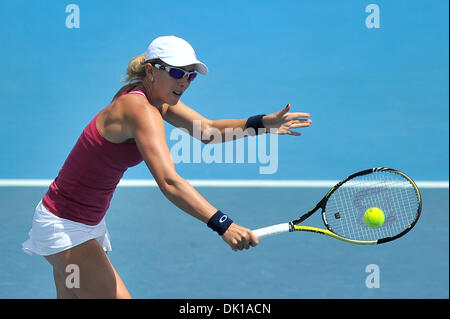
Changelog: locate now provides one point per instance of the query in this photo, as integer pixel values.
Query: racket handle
(272, 230)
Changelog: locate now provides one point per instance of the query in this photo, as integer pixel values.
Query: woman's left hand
(283, 122)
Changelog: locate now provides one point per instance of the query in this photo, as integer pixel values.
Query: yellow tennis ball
(374, 217)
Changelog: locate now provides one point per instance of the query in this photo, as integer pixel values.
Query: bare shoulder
(137, 112)
(132, 106)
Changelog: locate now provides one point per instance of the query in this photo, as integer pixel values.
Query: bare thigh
(85, 271)
(62, 291)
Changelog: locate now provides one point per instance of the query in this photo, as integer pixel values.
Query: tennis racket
(343, 208)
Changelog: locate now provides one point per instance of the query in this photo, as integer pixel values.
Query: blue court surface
(373, 76)
(161, 252)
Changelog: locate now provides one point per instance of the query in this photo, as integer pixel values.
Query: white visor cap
(175, 52)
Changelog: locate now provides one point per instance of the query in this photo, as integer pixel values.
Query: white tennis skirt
(51, 234)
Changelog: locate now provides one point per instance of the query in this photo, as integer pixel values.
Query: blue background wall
(377, 97)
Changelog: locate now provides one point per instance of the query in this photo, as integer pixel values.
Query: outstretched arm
(224, 130)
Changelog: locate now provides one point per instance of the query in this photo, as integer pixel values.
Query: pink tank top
(83, 189)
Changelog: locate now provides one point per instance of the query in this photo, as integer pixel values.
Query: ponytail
(135, 70)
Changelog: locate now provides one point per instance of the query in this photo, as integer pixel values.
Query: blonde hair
(135, 70)
(135, 74)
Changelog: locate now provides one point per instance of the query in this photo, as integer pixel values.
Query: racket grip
(272, 230)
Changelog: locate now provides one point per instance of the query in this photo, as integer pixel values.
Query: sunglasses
(177, 73)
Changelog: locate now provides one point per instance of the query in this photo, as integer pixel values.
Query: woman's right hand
(239, 237)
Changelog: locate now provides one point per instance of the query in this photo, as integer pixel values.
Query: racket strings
(391, 192)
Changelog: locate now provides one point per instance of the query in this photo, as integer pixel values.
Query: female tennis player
(68, 225)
